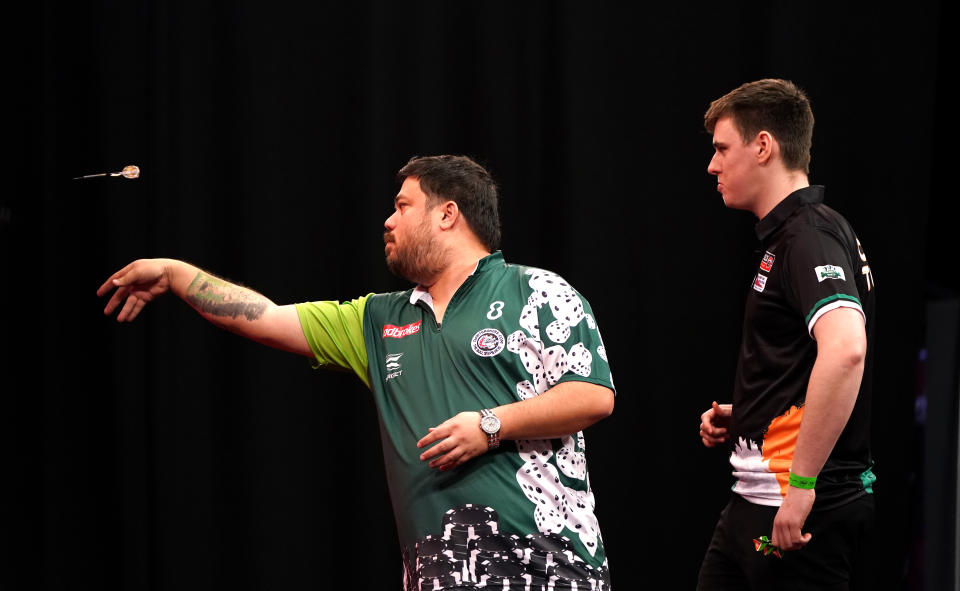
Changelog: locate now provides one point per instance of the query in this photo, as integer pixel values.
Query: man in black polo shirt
(798, 426)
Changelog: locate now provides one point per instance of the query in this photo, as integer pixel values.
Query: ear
(766, 146)
(449, 213)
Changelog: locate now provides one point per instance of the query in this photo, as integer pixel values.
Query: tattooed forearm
(217, 297)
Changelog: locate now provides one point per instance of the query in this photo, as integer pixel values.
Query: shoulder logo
(488, 342)
(767, 263)
(759, 282)
(398, 332)
(829, 272)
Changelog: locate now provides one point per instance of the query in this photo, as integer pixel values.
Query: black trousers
(835, 558)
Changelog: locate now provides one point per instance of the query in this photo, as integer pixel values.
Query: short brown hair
(773, 105)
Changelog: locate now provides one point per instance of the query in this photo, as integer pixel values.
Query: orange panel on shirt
(779, 442)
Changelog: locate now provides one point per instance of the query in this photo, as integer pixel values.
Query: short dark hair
(773, 105)
(466, 183)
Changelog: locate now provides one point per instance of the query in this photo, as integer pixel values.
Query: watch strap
(493, 439)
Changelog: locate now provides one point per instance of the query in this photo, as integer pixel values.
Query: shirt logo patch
(398, 332)
(760, 282)
(767, 263)
(829, 272)
(488, 342)
(392, 363)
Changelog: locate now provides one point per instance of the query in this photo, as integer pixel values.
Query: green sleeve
(334, 332)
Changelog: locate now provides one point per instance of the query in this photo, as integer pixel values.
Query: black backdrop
(167, 454)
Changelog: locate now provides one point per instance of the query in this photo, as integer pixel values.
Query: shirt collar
(784, 209)
(419, 293)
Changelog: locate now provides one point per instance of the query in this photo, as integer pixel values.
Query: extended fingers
(445, 455)
(107, 286)
(454, 441)
(449, 460)
(457, 456)
(130, 309)
(441, 434)
(137, 306)
(116, 299)
(115, 280)
(437, 450)
(435, 434)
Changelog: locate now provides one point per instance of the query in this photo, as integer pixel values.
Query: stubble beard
(421, 261)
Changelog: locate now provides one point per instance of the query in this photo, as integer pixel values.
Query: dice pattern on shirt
(556, 506)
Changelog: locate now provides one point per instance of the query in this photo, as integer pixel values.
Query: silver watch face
(490, 424)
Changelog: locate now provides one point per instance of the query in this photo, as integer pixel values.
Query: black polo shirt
(810, 262)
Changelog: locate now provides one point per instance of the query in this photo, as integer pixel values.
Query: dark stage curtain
(167, 454)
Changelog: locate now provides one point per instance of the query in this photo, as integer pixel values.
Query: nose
(390, 223)
(714, 166)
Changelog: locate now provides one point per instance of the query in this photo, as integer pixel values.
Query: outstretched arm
(566, 408)
(233, 307)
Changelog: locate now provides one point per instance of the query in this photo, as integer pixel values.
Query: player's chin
(733, 202)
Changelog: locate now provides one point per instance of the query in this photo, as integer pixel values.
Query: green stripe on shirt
(827, 300)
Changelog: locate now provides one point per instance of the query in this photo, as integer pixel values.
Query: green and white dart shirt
(509, 333)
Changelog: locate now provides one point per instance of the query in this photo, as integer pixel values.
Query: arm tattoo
(220, 298)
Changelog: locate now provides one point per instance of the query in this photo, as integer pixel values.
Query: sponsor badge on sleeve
(829, 272)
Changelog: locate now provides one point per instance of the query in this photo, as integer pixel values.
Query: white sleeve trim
(833, 306)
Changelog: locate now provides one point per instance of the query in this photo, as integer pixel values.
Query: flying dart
(128, 172)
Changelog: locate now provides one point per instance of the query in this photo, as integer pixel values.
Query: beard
(420, 261)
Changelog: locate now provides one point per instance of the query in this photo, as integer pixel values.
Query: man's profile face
(734, 164)
(410, 246)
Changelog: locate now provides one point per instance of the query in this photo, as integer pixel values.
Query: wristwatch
(490, 423)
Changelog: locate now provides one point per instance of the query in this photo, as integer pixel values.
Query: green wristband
(802, 481)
